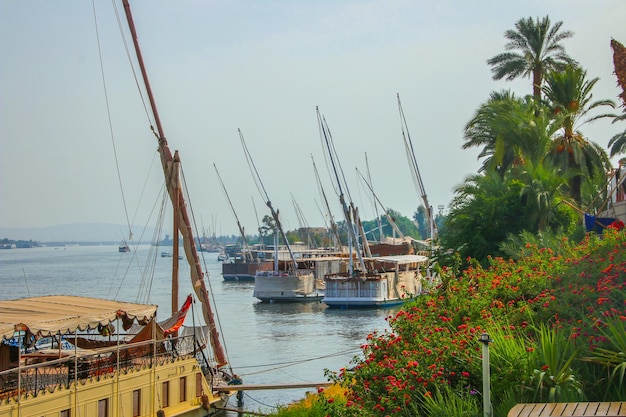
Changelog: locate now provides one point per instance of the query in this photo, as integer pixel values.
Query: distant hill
(79, 232)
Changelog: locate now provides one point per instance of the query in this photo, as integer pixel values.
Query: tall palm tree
(568, 93)
(534, 47)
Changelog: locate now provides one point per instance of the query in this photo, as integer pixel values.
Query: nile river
(265, 343)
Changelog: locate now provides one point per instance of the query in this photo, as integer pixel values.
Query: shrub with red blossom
(432, 345)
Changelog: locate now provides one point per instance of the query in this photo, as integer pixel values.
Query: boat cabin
(80, 356)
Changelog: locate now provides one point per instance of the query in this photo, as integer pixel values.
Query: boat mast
(348, 212)
(333, 225)
(378, 219)
(176, 186)
(178, 200)
(261, 188)
(408, 144)
(392, 222)
(247, 254)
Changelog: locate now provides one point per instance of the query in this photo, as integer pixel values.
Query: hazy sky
(262, 67)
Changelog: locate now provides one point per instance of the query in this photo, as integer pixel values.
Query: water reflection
(287, 309)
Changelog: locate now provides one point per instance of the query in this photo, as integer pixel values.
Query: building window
(103, 408)
(136, 403)
(165, 394)
(65, 413)
(198, 384)
(183, 389)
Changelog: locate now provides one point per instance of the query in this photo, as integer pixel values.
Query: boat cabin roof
(401, 259)
(60, 314)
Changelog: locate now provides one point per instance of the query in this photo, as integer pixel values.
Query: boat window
(165, 394)
(183, 389)
(103, 408)
(198, 384)
(137, 403)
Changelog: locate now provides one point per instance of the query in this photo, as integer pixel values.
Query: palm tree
(617, 144)
(534, 48)
(569, 95)
(540, 194)
(511, 130)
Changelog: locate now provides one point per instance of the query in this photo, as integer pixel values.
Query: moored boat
(148, 368)
(113, 358)
(388, 281)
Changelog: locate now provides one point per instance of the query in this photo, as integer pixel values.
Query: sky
(76, 140)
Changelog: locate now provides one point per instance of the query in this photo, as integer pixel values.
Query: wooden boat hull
(244, 271)
(117, 391)
(287, 288)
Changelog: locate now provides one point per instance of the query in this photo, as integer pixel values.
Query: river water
(265, 343)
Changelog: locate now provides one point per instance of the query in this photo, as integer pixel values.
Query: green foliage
(554, 379)
(406, 226)
(444, 402)
(613, 356)
(487, 209)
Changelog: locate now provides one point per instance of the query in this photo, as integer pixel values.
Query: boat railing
(41, 372)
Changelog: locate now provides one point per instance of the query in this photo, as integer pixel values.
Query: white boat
(390, 280)
(113, 358)
(389, 277)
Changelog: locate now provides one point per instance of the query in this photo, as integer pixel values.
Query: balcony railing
(38, 372)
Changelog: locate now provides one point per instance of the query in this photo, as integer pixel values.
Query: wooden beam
(257, 387)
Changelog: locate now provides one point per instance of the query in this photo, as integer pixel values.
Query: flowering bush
(533, 308)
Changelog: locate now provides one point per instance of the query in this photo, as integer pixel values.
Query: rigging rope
(108, 109)
(281, 365)
(132, 67)
(205, 269)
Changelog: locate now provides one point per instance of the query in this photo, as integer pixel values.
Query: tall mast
(349, 213)
(246, 250)
(392, 222)
(408, 144)
(176, 186)
(274, 212)
(333, 225)
(178, 202)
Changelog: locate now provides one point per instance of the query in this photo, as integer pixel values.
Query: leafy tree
(533, 48)
(267, 229)
(421, 219)
(406, 226)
